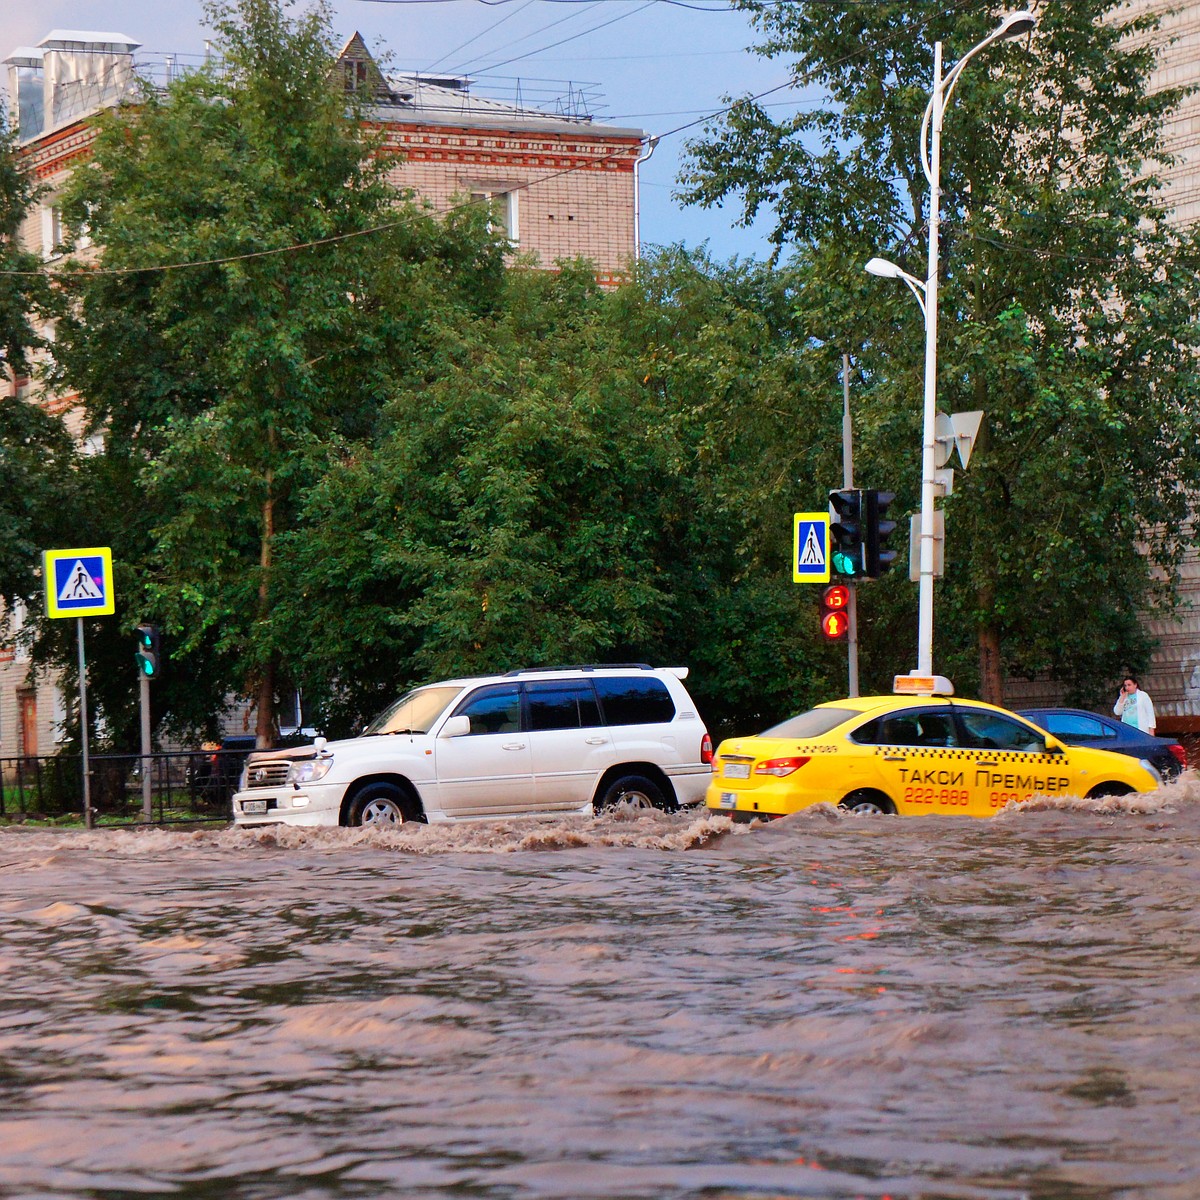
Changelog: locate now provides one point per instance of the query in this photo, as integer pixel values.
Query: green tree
(259, 287)
(560, 489)
(1068, 307)
(36, 453)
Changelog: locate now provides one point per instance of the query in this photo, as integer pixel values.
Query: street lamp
(926, 293)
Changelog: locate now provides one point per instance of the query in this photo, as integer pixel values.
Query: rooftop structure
(71, 72)
(561, 184)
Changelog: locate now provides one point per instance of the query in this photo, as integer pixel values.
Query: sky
(655, 65)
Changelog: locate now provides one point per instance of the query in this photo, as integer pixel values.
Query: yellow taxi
(911, 753)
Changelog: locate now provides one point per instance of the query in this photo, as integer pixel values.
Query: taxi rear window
(810, 724)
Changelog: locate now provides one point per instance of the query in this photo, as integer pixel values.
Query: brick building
(561, 185)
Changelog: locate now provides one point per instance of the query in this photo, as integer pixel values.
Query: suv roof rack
(583, 667)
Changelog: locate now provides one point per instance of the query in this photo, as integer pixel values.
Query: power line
(794, 81)
(724, 6)
(573, 37)
(480, 34)
(590, 4)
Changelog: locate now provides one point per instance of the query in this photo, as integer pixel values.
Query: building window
(504, 211)
(61, 716)
(16, 624)
(52, 230)
(355, 75)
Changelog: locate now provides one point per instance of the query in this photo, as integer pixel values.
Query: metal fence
(185, 786)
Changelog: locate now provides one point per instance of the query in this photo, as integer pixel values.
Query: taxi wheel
(635, 790)
(379, 804)
(1108, 789)
(870, 803)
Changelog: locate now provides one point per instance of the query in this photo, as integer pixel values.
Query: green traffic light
(844, 564)
(147, 652)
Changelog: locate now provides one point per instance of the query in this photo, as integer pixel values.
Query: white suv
(560, 740)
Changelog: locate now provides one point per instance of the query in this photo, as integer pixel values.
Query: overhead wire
(331, 239)
(582, 33)
(725, 6)
(589, 5)
(481, 33)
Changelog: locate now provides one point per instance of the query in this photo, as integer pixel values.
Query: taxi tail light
(706, 749)
(1180, 753)
(780, 766)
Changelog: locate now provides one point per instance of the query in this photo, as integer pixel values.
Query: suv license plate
(254, 806)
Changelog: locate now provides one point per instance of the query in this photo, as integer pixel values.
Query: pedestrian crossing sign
(79, 583)
(810, 548)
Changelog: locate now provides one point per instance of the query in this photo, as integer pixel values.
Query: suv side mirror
(455, 727)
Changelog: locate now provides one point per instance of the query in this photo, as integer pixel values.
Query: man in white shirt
(1134, 707)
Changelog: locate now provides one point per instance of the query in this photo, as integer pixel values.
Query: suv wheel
(635, 790)
(379, 804)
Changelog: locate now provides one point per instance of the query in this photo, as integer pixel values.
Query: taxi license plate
(254, 806)
(728, 800)
(737, 771)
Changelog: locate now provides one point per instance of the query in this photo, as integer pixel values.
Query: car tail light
(706, 749)
(1180, 753)
(780, 766)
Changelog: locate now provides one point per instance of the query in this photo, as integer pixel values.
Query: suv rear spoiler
(678, 672)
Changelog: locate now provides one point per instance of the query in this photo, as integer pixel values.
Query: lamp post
(926, 293)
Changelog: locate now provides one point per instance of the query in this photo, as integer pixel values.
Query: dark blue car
(1076, 727)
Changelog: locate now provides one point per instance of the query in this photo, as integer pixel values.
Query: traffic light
(877, 557)
(846, 533)
(149, 653)
(835, 615)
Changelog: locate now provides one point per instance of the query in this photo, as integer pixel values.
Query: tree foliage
(1068, 306)
(35, 451)
(558, 491)
(260, 286)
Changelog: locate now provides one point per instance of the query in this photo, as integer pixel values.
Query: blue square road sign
(79, 583)
(810, 547)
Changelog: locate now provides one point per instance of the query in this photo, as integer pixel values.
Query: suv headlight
(310, 770)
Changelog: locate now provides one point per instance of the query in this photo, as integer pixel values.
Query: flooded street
(636, 1006)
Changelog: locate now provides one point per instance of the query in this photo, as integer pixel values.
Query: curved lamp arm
(1013, 25)
(888, 270)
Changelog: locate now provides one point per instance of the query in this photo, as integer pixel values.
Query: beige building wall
(1178, 39)
(1173, 678)
(32, 712)
(566, 196)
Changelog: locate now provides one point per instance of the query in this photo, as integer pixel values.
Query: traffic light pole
(848, 482)
(147, 808)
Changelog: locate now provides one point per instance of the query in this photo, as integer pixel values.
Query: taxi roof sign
(922, 685)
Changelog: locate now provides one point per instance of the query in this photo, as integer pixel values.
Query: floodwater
(636, 1006)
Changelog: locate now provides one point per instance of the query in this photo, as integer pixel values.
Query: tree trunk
(991, 675)
(265, 729)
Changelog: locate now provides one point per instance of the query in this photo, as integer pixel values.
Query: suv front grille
(267, 774)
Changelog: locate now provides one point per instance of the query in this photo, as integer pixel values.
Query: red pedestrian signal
(835, 625)
(835, 615)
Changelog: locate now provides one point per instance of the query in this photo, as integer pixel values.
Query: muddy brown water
(635, 1006)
